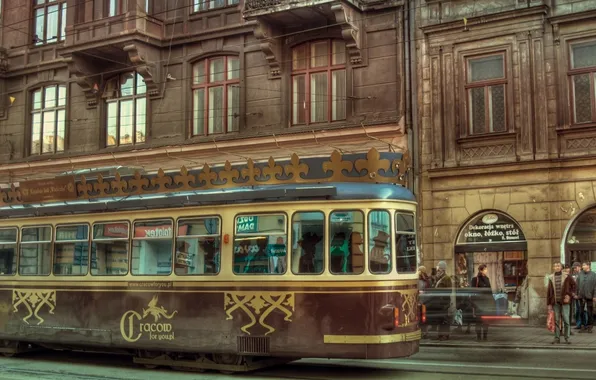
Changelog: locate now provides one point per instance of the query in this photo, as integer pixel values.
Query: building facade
(507, 117)
(145, 84)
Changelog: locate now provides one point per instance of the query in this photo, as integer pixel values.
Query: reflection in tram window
(260, 244)
(346, 239)
(152, 247)
(109, 249)
(8, 251)
(379, 243)
(36, 243)
(71, 250)
(405, 240)
(198, 246)
(308, 247)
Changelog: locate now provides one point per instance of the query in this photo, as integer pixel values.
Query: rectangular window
(71, 250)
(109, 249)
(486, 83)
(49, 22)
(48, 120)
(8, 251)
(36, 248)
(346, 231)
(203, 5)
(308, 243)
(405, 243)
(582, 77)
(198, 246)
(152, 247)
(113, 7)
(379, 242)
(126, 110)
(260, 244)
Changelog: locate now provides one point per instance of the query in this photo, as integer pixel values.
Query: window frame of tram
(44, 247)
(203, 244)
(399, 233)
(343, 246)
(5, 247)
(248, 255)
(308, 244)
(379, 243)
(114, 256)
(140, 251)
(65, 257)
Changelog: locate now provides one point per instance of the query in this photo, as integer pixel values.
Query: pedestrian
(482, 301)
(578, 311)
(424, 283)
(443, 281)
(587, 296)
(559, 295)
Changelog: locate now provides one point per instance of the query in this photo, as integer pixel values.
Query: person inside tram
(379, 258)
(356, 252)
(308, 243)
(339, 252)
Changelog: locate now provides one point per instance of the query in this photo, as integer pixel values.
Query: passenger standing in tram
(482, 301)
(558, 297)
(443, 281)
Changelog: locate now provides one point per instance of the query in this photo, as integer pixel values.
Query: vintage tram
(228, 268)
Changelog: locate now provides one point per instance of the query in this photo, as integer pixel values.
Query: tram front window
(347, 237)
(260, 244)
(405, 240)
(379, 242)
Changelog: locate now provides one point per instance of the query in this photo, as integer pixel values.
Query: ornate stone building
(507, 118)
(144, 84)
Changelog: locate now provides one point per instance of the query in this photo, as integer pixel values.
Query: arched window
(48, 119)
(126, 114)
(319, 82)
(216, 95)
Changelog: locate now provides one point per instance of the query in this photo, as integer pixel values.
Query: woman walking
(482, 301)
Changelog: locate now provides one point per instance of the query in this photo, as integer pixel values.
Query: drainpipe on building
(409, 49)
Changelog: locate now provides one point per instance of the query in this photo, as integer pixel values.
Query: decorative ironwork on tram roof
(372, 167)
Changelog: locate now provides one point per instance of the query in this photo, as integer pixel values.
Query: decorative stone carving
(270, 46)
(487, 151)
(581, 143)
(84, 73)
(556, 34)
(344, 16)
(138, 57)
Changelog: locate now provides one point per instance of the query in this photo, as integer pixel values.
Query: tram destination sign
(491, 228)
(55, 189)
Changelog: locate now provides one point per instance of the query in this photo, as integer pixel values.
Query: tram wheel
(149, 355)
(10, 344)
(228, 359)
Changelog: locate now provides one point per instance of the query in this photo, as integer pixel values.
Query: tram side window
(405, 241)
(379, 242)
(260, 244)
(8, 251)
(308, 242)
(109, 249)
(152, 247)
(198, 246)
(346, 231)
(36, 246)
(71, 250)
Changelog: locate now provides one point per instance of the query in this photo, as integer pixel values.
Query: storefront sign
(56, 189)
(164, 231)
(491, 228)
(115, 230)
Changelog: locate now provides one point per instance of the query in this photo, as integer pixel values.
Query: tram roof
(239, 195)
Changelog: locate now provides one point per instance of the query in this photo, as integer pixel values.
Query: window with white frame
(582, 75)
(126, 110)
(49, 18)
(48, 119)
(203, 5)
(486, 83)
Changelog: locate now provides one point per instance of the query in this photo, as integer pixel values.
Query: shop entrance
(496, 240)
(580, 242)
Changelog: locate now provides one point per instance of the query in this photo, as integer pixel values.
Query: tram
(228, 268)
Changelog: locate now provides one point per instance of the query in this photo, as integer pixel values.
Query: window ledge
(486, 137)
(576, 128)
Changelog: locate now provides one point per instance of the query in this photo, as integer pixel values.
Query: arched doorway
(580, 239)
(497, 240)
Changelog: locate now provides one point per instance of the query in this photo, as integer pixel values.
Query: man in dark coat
(482, 301)
(561, 289)
(586, 286)
(443, 282)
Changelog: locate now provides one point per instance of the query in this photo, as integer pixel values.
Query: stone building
(507, 119)
(143, 84)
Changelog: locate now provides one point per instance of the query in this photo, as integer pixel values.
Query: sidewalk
(513, 337)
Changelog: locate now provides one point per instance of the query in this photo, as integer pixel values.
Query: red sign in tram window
(115, 230)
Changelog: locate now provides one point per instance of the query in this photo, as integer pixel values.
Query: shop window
(126, 110)
(48, 119)
(319, 82)
(581, 76)
(36, 251)
(204, 5)
(405, 243)
(346, 230)
(49, 21)
(8, 251)
(109, 249)
(308, 243)
(71, 250)
(379, 242)
(152, 246)
(486, 94)
(260, 244)
(198, 246)
(216, 95)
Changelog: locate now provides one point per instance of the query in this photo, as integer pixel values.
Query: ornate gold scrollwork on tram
(409, 306)
(34, 300)
(259, 304)
(373, 167)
